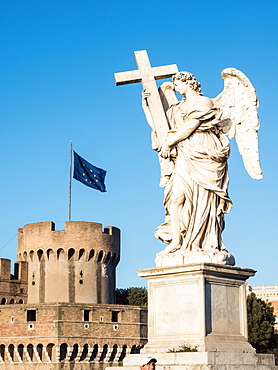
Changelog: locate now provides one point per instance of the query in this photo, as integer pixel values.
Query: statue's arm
(180, 134)
(183, 132)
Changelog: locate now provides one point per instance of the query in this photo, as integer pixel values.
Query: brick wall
(60, 334)
(13, 287)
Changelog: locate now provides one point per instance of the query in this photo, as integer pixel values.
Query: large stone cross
(147, 75)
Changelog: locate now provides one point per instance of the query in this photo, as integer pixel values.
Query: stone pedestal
(202, 305)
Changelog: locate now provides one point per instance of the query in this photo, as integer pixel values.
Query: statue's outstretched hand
(145, 96)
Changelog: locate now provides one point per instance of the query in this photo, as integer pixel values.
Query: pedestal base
(201, 305)
(181, 257)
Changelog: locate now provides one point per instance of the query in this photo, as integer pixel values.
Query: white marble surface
(204, 358)
(190, 137)
(182, 257)
(201, 305)
(206, 361)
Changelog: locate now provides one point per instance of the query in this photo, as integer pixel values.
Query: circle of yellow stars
(87, 179)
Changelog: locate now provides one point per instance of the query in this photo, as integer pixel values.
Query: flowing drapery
(200, 176)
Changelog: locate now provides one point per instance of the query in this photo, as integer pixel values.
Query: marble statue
(193, 148)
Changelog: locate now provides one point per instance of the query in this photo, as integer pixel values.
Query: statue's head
(189, 79)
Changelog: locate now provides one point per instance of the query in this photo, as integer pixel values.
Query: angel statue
(193, 149)
(196, 151)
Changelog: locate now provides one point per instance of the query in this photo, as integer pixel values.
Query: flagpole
(70, 181)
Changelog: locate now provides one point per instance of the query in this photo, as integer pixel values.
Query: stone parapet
(76, 264)
(79, 239)
(232, 360)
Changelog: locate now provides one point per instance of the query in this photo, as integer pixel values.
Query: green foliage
(137, 296)
(121, 296)
(260, 321)
(183, 348)
(133, 296)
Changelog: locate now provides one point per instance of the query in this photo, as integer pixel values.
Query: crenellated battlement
(77, 264)
(79, 241)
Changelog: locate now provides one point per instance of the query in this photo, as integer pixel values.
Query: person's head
(148, 363)
(188, 79)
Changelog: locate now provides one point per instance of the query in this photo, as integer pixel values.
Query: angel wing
(238, 102)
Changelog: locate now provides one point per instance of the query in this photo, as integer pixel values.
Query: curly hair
(188, 78)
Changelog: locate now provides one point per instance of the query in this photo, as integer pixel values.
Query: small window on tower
(86, 315)
(115, 316)
(31, 315)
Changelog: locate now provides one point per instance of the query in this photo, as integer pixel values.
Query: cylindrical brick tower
(74, 265)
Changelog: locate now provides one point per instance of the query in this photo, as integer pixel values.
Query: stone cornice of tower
(80, 240)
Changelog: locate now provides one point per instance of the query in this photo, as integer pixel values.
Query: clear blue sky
(57, 60)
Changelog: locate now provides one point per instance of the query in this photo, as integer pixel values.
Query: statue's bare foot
(172, 247)
(195, 248)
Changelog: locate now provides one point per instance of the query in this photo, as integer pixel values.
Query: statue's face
(181, 87)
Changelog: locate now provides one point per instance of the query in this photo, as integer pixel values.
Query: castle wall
(69, 320)
(72, 265)
(5, 268)
(64, 334)
(57, 287)
(13, 288)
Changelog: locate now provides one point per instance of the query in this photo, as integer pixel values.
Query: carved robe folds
(200, 176)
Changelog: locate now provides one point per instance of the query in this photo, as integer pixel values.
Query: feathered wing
(238, 103)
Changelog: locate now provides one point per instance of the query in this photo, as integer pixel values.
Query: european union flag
(88, 174)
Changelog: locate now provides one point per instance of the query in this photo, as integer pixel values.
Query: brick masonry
(58, 309)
